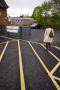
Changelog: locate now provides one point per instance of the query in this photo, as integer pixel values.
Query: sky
(19, 7)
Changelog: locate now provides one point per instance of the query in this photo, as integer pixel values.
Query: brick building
(3, 15)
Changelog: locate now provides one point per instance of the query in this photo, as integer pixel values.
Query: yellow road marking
(55, 68)
(54, 82)
(46, 69)
(1, 56)
(2, 42)
(21, 68)
(30, 41)
(38, 58)
(57, 47)
(8, 41)
(56, 78)
(34, 42)
(7, 37)
(51, 53)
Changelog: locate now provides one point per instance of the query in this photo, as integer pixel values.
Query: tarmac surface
(27, 65)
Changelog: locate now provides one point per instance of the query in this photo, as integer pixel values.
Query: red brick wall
(3, 16)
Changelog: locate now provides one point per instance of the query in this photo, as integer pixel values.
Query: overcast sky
(19, 7)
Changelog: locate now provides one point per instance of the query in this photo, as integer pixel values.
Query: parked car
(35, 26)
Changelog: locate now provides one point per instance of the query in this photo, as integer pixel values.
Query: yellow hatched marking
(57, 47)
(57, 65)
(39, 58)
(51, 53)
(21, 68)
(55, 68)
(54, 82)
(56, 78)
(46, 69)
(1, 56)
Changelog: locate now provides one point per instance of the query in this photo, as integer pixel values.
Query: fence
(18, 32)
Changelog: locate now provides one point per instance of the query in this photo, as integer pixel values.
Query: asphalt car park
(27, 65)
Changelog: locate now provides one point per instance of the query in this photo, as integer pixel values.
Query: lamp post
(46, 17)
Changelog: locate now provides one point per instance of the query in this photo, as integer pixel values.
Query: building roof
(3, 4)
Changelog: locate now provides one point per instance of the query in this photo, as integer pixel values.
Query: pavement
(27, 65)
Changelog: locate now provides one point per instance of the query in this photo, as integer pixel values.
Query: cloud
(17, 7)
(17, 12)
(24, 3)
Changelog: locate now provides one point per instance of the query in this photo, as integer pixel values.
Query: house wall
(21, 21)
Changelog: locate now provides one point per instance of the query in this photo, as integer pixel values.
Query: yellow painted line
(1, 56)
(55, 68)
(57, 65)
(21, 68)
(46, 69)
(2, 42)
(30, 41)
(56, 78)
(54, 82)
(39, 58)
(9, 41)
(23, 40)
(57, 47)
(12, 40)
(7, 37)
(35, 42)
(51, 53)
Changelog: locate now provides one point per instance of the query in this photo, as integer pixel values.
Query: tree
(21, 16)
(46, 6)
(55, 19)
(37, 12)
(37, 15)
(43, 16)
(55, 6)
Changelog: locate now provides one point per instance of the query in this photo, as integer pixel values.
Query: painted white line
(21, 68)
(46, 69)
(1, 56)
